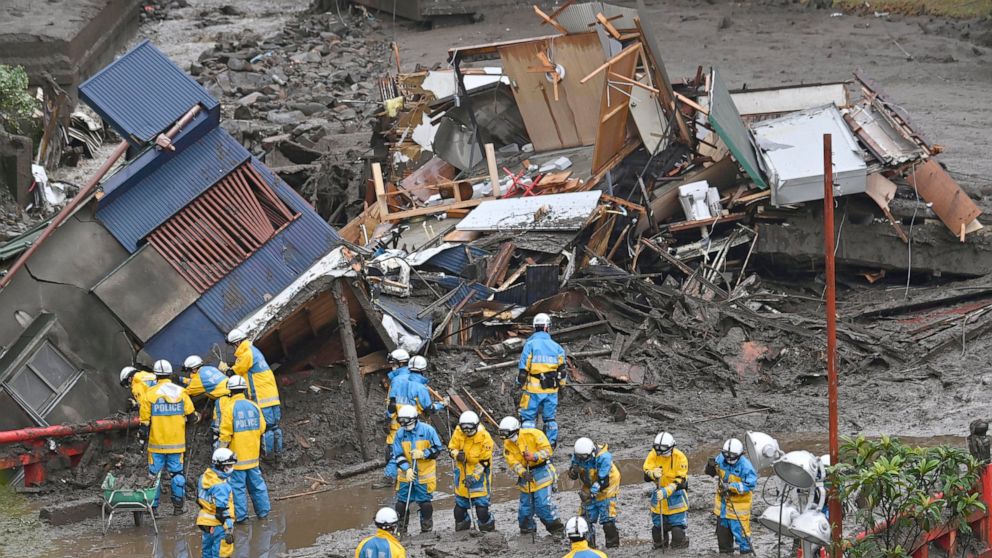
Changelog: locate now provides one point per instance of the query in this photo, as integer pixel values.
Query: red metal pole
(836, 519)
(62, 430)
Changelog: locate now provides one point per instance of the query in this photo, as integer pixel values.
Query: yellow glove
(454, 454)
(407, 476)
(657, 473)
(222, 366)
(417, 454)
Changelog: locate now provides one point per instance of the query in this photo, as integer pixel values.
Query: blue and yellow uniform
(241, 429)
(381, 545)
(406, 388)
(208, 380)
(581, 549)
(734, 511)
(670, 502)
(419, 447)
(216, 501)
(163, 410)
(250, 364)
(601, 483)
(533, 443)
(542, 359)
(473, 477)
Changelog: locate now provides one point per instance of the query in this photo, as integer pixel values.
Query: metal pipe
(63, 430)
(836, 518)
(84, 195)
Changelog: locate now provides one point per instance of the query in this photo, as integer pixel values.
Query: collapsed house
(190, 235)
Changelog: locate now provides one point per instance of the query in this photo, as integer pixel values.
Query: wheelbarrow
(135, 500)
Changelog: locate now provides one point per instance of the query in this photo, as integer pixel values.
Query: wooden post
(380, 191)
(493, 171)
(836, 513)
(354, 374)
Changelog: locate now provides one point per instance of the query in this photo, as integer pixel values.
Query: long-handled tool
(409, 494)
(533, 501)
(191, 447)
(725, 494)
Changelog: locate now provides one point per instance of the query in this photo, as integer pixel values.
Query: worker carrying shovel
(471, 447)
(736, 480)
(415, 452)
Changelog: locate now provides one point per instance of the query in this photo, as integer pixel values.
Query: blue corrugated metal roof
(268, 271)
(405, 312)
(142, 93)
(456, 258)
(190, 333)
(152, 200)
(480, 291)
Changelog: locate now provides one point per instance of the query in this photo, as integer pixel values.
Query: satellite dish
(797, 468)
(812, 526)
(786, 513)
(761, 449)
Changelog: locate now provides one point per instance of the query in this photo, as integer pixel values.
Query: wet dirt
(327, 519)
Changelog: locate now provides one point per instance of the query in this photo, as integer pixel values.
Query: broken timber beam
(354, 374)
(358, 468)
(509, 363)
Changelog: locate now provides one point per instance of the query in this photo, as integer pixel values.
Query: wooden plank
(550, 21)
(688, 225)
(380, 190)
(578, 54)
(431, 210)
(372, 363)
(498, 264)
(560, 9)
(491, 48)
(609, 63)
(662, 82)
(614, 111)
(631, 146)
(948, 200)
(634, 82)
(462, 236)
(493, 171)
(549, 124)
(607, 25)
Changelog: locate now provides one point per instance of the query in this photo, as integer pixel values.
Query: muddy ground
(944, 86)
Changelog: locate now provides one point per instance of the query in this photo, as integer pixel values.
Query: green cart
(136, 500)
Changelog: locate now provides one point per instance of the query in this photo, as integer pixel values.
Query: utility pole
(351, 356)
(836, 519)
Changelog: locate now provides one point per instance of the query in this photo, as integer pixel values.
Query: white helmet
(576, 529)
(418, 364)
(663, 443)
(541, 321)
(399, 355)
(237, 335)
(236, 383)
(584, 448)
(192, 362)
(407, 416)
(509, 427)
(732, 450)
(224, 457)
(126, 373)
(469, 423)
(162, 368)
(386, 519)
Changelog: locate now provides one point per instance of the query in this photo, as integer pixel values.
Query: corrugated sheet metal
(456, 258)
(405, 312)
(268, 271)
(577, 17)
(142, 93)
(191, 333)
(158, 196)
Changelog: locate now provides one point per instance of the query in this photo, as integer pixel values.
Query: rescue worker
(250, 364)
(398, 359)
(576, 530)
(736, 480)
(528, 454)
(137, 382)
(415, 451)
(383, 543)
(241, 429)
(216, 501)
(668, 469)
(541, 373)
(472, 449)
(163, 413)
(209, 381)
(408, 386)
(600, 487)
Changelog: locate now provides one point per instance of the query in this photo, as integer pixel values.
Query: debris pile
(303, 100)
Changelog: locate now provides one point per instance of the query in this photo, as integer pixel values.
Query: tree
(15, 101)
(898, 493)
